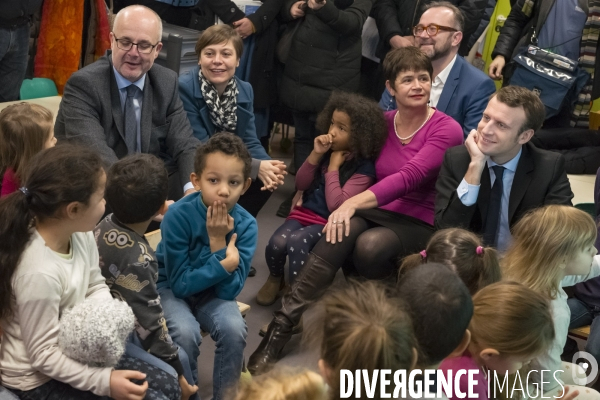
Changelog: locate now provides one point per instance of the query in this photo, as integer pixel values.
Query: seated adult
(468, 194)
(216, 100)
(394, 217)
(124, 104)
(459, 89)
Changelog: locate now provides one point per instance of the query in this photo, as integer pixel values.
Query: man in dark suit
(497, 176)
(123, 104)
(465, 101)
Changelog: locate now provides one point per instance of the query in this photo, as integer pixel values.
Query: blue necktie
(131, 121)
(490, 235)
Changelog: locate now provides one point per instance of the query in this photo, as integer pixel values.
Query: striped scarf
(580, 114)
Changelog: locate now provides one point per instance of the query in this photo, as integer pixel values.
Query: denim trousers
(222, 320)
(585, 314)
(135, 349)
(14, 48)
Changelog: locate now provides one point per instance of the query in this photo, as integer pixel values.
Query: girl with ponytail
(462, 252)
(49, 263)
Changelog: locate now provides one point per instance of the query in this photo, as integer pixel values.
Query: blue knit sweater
(185, 261)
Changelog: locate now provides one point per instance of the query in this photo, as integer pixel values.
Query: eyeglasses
(143, 47)
(431, 29)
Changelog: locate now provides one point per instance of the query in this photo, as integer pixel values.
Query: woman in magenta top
(369, 232)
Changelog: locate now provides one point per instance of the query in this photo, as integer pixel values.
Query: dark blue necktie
(131, 121)
(490, 235)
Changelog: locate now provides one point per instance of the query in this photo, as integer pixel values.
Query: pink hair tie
(423, 254)
(479, 250)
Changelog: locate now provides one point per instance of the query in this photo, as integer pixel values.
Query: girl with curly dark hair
(340, 166)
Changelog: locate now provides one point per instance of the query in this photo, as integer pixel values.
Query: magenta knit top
(406, 175)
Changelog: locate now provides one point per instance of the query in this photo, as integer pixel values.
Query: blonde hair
(461, 251)
(511, 318)
(542, 240)
(24, 129)
(284, 384)
(363, 326)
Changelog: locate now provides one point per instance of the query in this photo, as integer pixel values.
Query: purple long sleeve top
(406, 175)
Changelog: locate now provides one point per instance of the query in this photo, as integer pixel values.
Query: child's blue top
(185, 261)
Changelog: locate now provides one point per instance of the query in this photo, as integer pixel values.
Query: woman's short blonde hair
(284, 384)
(543, 240)
(217, 34)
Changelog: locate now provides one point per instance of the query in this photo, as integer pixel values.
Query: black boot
(316, 276)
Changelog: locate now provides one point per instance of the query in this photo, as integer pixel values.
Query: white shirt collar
(442, 77)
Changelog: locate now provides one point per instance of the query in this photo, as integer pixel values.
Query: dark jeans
(254, 199)
(161, 385)
(14, 47)
(584, 314)
(305, 135)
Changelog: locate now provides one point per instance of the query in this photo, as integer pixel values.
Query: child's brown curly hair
(368, 129)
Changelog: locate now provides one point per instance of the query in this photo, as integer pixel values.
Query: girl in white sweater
(553, 247)
(48, 263)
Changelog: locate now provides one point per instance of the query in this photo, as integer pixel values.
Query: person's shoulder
(188, 77)
(471, 73)
(162, 72)
(540, 155)
(243, 217)
(94, 71)
(440, 119)
(186, 208)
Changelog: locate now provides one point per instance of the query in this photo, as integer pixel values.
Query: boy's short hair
(227, 143)
(441, 308)
(136, 188)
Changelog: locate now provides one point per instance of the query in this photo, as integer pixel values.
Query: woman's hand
(338, 222)
(316, 4)
(336, 160)
(496, 67)
(121, 387)
(297, 10)
(187, 390)
(322, 144)
(271, 174)
(244, 27)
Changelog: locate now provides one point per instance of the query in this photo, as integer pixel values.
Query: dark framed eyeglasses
(432, 29)
(143, 47)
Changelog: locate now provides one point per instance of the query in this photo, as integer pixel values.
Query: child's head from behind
(284, 384)
(355, 123)
(63, 185)
(137, 188)
(362, 326)
(463, 252)
(511, 324)
(222, 169)
(549, 243)
(441, 308)
(25, 130)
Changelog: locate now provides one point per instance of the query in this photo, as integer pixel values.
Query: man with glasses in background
(123, 104)
(458, 88)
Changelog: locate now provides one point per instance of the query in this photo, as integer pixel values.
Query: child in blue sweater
(208, 242)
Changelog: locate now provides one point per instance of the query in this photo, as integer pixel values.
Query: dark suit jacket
(90, 115)
(464, 102)
(540, 179)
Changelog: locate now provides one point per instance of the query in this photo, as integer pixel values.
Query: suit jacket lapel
(146, 116)
(204, 115)
(521, 182)
(450, 85)
(115, 100)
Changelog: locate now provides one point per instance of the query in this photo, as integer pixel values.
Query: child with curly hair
(340, 166)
